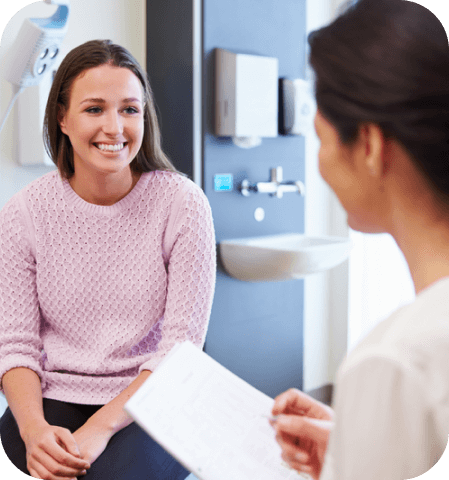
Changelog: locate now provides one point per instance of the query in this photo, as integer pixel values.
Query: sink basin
(282, 257)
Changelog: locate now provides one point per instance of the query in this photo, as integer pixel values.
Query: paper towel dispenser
(246, 95)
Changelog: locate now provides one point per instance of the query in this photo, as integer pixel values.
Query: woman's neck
(102, 189)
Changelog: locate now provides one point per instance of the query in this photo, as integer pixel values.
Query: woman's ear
(61, 119)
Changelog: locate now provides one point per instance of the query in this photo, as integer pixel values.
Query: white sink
(282, 257)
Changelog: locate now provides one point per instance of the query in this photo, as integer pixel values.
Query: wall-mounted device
(246, 97)
(223, 182)
(28, 63)
(297, 107)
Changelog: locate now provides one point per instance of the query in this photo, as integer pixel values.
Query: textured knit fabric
(91, 295)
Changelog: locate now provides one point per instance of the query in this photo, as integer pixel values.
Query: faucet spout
(276, 187)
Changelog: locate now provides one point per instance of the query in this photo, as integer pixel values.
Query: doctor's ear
(374, 149)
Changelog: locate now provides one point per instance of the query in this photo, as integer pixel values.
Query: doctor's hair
(84, 57)
(386, 62)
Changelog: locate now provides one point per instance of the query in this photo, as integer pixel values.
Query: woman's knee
(12, 442)
(131, 453)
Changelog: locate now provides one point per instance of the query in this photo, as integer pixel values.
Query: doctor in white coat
(382, 90)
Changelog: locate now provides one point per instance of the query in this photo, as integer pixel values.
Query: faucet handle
(277, 174)
(301, 187)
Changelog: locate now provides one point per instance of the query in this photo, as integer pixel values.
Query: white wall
(122, 21)
(325, 294)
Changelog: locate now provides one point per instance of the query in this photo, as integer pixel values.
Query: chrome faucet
(276, 188)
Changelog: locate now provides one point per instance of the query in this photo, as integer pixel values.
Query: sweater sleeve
(20, 343)
(191, 256)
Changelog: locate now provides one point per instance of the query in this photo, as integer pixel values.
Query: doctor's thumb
(305, 427)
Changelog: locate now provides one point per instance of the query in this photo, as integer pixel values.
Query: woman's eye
(127, 110)
(93, 110)
(131, 110)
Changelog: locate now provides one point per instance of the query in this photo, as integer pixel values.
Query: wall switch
(223, 182)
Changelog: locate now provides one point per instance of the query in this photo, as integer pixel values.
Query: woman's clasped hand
(53, 453)
(302, 427)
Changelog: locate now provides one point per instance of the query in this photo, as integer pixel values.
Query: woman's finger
(68, 441)
(33, 472)
(42, 460)
(61, 454)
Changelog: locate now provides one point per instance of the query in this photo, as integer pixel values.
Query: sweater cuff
(150, 365)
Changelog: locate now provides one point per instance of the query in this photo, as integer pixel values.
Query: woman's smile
(107, 148)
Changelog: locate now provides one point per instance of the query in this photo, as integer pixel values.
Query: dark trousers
(130, 455)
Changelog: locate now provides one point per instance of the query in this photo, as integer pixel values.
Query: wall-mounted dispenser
(246, 96)
(30, 62)
(298, 107)
(29, 122)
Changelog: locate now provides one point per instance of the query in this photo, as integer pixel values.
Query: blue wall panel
(255, 328)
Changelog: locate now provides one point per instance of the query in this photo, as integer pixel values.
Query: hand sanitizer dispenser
(246, 97)
(298, 107)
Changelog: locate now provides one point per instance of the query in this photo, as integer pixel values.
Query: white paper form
(210, 420)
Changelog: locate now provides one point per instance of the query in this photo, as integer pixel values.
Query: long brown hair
(90, 55)
(387, 62)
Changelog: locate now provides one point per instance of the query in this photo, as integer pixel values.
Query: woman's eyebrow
(101, 100)
(93, 100)
(132, 99)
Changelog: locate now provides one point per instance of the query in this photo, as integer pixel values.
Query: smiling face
(354, 173)
(104, 120)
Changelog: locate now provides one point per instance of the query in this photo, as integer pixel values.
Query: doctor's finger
(297, 465)
(293, 401)
(304, 427)
(293, 448)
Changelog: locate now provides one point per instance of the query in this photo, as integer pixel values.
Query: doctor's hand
(302, 430)
(52, 453)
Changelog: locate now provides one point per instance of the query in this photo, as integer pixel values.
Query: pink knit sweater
(92, 295)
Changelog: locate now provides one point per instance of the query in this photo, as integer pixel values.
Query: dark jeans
(130, 455)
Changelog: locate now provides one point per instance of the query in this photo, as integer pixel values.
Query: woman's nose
(113, 123)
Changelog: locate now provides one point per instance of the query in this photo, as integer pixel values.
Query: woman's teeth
(110, 148)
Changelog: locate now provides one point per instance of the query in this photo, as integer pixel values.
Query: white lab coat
(392, 395)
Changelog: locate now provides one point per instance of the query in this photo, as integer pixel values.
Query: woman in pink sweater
(104, 265)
